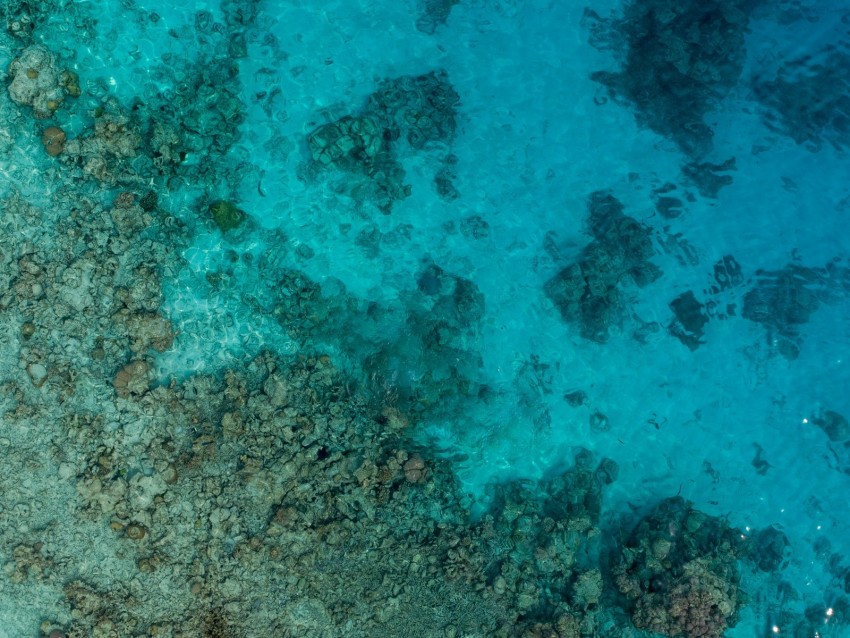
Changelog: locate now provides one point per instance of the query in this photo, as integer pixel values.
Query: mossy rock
(149, 201)
(226, 215)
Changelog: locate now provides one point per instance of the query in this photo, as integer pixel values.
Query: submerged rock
(588, 291)
(690, 320)
(678, 569)
(433, 13)
(808, 99)
(768, 549)
(37, 81)
(834, 425)
(226, 215)
(784, 300)
(53, 140)
(678, 59)
(408, 112)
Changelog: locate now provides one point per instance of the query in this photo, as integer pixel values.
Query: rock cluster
(678, 569)
(106, 151)
(808, 98)
(588, 292)
(38, 82)
(410, 111)
(289, 477)
(677, 62)
(783, 301)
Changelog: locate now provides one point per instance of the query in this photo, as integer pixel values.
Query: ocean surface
(535, 232)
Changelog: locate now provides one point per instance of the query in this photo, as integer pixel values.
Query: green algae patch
(226, 215)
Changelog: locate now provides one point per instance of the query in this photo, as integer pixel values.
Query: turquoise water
(523, 229)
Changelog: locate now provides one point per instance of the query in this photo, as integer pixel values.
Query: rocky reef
(296, 495)
(677, 61)
(678, 570)
(433, 14)
(315, 511)
(404, 114)
(589, 291)
(784, 300)
(808, 98)
(37, 81)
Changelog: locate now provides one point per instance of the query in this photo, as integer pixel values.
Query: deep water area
(432, 318)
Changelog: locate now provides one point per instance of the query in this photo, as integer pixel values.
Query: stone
(53, 140)
(35, 81)
(132, 379)
(37, 373)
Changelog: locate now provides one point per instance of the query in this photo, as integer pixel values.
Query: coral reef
(82, 302)
(185, 130)
(434, 13)
(53, 140)
(294, 495)
(534, 544)
(784, 300)
(678, 570)
(290, 476)
(24, 19)
(37, 81)
(677, 61)
(809, 98)
(291, 484)
(21, 19)
(422, 350)
(412, 111)
(106, 152)
(588, 291)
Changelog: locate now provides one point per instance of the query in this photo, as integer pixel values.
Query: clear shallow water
(535, 137)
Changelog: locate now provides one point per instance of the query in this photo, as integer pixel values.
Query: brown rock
(414, 469)
(53, 139)
(70, 82)
(132, 379)
(135, 532)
